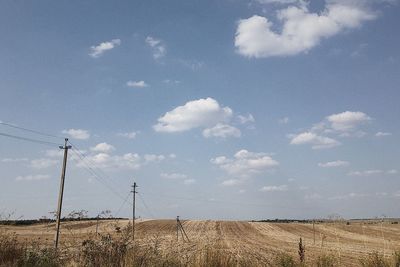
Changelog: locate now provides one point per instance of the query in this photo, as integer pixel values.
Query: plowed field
(256, 240)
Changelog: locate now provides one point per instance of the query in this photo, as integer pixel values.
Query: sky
(228, 109)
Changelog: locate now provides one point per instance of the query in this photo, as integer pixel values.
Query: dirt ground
(259, 241)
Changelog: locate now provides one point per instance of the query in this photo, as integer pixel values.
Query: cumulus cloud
(103, 160)
(222, 130)
(202, 113)
(43, 163)
(372, 172)
(231, 182)
(332, 164)
(274, 188)
(137, 84)
(14, 160)
(316, 141)
(153, 158)
(173, 176)
(246, 119)
(77, 133)
(245, 163)
(284, 120)
(98, 50)
(344, 124)
(158, 47)
(189, 181)
(129, 135)
(382, 134)
(36, 177)
(103, 147)
(301, 30)
(348, 120)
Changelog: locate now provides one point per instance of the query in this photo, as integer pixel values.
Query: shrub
(374, 260)
(10, 249)
(326, 261)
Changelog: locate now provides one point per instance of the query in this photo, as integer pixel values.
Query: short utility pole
(61, 192)
(179, 228)
(133, 209)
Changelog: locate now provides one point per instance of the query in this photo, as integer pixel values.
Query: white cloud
(105, 161)
(168, 81)
(103, 147)
(129, 135)
(245, 163)
(365, 173)
(222, 130)
(312, 196)
(348, 196)
(137, 84)
(317, 141)
(382, 134)
(274, 188)
(284, 120)
(77, 133)
(301, 29)
(194, 114)
(345, 124)
(189, 181)
(246, 119)
(173, 176)
(278, 1)
(43, 163)
(372, 172)
(158, 47)
(32, 177)
(10, 160)
(153, 158)
(232, 182)
(331, 164)
(97, 51)
(348, 120)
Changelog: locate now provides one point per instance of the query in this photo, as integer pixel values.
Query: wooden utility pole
(133, 209)
(61, 192)
(313, 228)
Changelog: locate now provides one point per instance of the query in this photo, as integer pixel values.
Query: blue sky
(218, 109)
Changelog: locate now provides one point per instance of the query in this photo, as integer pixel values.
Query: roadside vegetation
(108, 250)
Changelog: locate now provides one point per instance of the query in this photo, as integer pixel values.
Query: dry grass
(212, 244)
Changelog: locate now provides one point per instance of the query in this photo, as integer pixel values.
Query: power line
(123, 204)
(29, 130)
(146, 207)
(95, 175)
(98, 171)
(29, 139)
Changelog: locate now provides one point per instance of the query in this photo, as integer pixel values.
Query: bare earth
(256, 240)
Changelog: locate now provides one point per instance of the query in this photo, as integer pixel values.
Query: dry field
(258, 241)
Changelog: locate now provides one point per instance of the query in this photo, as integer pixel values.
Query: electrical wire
(29, 139)
(96, 176)
(146, 207)
(123, 203)
(29, 130)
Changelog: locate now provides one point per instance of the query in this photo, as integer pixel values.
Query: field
(258, 242)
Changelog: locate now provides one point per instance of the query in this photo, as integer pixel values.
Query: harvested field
(258, 241)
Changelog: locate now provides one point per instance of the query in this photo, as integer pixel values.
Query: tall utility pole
(133, 209)
(61, 192)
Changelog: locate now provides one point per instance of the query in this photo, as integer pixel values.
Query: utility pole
(133, 209)
(61, 192)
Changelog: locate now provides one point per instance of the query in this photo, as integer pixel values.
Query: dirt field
(256, 240)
